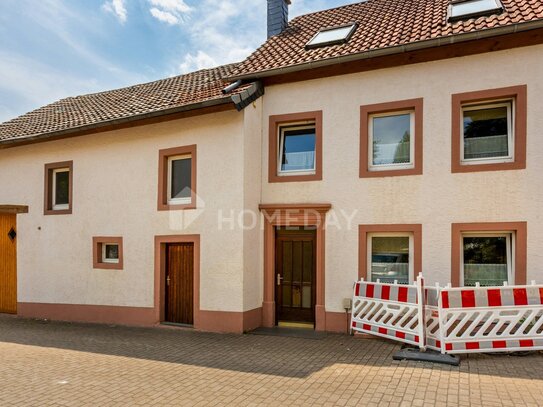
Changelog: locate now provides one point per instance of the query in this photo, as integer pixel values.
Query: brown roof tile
(162, 95)
(382, 24)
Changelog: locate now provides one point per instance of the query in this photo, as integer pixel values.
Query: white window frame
(177, 201)
(312, 43)
(369, 249)
(386, 167)
(510, 104)
(109, 260)
(281, 142)
(510, 242)
(58, 207)
(467, 16)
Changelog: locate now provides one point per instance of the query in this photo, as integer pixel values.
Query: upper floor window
(489, 130)
(295, 147)
(58, 188)
(177, 178)
(465, 9)
(391, 139)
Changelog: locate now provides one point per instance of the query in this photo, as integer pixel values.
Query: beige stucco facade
(115, 189)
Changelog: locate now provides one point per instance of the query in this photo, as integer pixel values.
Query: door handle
(168, 281)
(279, 278)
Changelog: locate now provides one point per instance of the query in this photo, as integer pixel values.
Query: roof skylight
(465, 9)
(332, 36)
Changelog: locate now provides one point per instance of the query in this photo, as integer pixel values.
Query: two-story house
(380, 140)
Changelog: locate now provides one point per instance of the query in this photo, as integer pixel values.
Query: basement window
(332, 36)
(107, 253)
(465, 9)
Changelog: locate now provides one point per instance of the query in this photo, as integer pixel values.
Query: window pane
(473, 6)
(391, 139)
(390, 259)
(298, 150)
(181, 178)
(485, 260)
(334, 35)
(62, 187)
(485, 133)
(112, 251)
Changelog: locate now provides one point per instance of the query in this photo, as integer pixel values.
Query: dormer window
(332, 36)
(466, 9)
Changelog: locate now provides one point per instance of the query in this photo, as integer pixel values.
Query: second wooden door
(180, 283)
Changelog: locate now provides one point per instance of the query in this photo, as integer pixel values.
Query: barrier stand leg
(421, 354)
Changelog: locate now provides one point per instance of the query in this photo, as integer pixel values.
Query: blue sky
(50, 49)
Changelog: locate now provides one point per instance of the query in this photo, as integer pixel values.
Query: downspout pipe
(232, 87)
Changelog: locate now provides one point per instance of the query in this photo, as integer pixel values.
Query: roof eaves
(74, 131)
(414, 46)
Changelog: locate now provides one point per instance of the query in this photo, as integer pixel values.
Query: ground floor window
(390, 258)
(488, 258)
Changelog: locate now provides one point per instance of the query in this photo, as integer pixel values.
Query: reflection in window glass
(62, 187)
(391, 139)
(298, 150)
(469, 7)
(181, 173)
(486, 260)
(390, 259)
(486, 132)
(333, 36)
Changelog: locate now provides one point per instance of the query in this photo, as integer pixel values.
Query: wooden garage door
(8, 264)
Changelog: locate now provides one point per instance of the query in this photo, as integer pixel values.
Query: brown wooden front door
(295, 265)
(8, 264)
(180, 283)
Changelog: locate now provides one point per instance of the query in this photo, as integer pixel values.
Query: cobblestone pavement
(60, 364)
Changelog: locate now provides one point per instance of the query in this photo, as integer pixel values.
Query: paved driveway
(44, 363)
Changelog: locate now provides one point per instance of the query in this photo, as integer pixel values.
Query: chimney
(277, 16)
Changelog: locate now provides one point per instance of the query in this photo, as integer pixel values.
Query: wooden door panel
(8, 264)
(296, 268)
(180, 283)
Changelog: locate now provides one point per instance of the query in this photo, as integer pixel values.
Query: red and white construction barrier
(491, 319)
(451, 320)
(393, 311)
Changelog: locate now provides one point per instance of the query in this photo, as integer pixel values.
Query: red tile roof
(382, 24)
(146, 99)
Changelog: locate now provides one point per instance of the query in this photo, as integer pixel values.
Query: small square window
(392, 145)
(487, 259)
(110, 253)
(464, 9)
(390, 257)
(487, 132)
(177, 178)
(297, 150)
(107, 253)
(58, 188)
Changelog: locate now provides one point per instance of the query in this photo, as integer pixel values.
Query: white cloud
(169, 11)
(164, 16)
(171, 5)
(196, 62)
(117, 8)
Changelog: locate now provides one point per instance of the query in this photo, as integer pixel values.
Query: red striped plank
(383, 331)
(526, 343)
(385, 292)
(445, 299)
(402, 294)
(357, 289)
(366, 327)
(400, 335)
(494, 298)
(521, 296)
(472, 345)
(499, 344)
(468, 299)
(370, 288)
